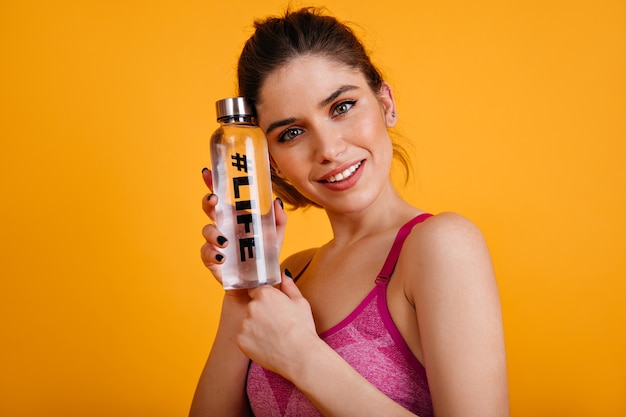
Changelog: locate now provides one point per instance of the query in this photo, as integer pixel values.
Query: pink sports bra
(369, 341)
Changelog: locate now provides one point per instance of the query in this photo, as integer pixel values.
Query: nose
(329, 145)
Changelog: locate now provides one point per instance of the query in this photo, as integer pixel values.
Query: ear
(385, 95)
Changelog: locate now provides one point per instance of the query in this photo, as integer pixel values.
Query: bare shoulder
(298, 261)
(448, 279)
(446, 235)
(444, 250)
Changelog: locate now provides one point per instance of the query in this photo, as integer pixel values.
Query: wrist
(233, 311)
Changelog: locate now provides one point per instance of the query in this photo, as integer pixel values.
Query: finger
(211, 256)
(257, 292)
(288, 286)
(213, 236)
(207, 176)
(209, 201)
(281, 220)
(279, 210)
(210, 252)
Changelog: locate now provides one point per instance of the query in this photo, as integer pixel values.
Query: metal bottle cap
(235, 106)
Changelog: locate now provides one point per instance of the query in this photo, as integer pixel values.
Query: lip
(338, 170)
(346, 183)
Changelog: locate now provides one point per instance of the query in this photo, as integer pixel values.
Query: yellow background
(516, 116)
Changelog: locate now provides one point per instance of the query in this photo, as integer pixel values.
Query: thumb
(288, 286)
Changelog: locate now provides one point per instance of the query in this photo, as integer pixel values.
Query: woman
(339, 338)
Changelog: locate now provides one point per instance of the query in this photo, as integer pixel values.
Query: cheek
(289, 163)
(373, 135)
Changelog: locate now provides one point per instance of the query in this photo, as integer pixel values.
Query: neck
(388, 211)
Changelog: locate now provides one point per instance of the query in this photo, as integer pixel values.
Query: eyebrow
(278, 124)
(336, 94)
(322, 104)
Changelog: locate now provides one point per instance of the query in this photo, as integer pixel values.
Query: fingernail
(221, 240)
(288, 273)
(209, 197)
(204, 170)
(219, 257)
(282, 206)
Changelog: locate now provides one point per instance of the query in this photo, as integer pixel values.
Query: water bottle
(245, 209)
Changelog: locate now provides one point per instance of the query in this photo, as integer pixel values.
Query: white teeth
(344, 174)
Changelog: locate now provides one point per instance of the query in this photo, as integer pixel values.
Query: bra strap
(390, 263)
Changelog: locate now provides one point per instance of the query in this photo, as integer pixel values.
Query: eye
(290, 134)
(343, 107)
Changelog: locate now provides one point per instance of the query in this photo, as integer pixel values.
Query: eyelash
(296, 131)
(282, 137)
(349, 103)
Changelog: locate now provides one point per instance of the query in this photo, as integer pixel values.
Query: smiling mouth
(346, 173)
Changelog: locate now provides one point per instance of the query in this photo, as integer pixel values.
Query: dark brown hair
(307, 31)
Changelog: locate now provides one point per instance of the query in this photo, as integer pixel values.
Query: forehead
(306, 78)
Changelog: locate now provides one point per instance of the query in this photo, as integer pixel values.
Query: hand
(215, 240)
(278, 327)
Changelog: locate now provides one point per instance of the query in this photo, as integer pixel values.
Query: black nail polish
(219, 257)
(288, 273)
(221, 240)
(282, 206)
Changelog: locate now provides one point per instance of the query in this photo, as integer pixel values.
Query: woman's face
(327, 131)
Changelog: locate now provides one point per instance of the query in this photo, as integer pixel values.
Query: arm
(453, 287)
(337, 389)
(459, 318)
(221, 388)
(279, 334)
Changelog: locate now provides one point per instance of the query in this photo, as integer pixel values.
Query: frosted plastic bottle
(245, 209)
